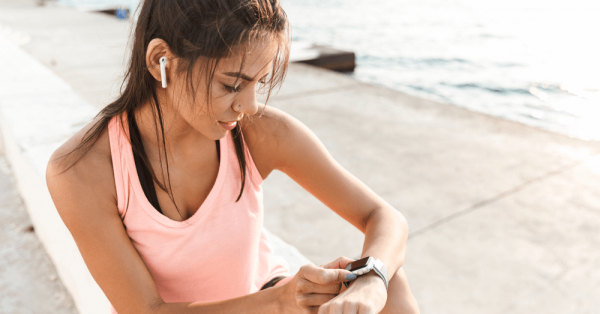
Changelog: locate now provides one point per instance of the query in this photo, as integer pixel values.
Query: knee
(400, 298)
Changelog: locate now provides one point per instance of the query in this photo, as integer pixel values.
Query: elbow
(403, 225)
(157, 307)
(388, 215)
(400, 222)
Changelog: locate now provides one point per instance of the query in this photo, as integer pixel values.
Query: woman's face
(230, 99)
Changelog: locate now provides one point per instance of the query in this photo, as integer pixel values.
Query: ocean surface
(531, 61)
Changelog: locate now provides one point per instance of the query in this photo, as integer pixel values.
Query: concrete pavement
(28, 280)
(503, 217)
(84, 49)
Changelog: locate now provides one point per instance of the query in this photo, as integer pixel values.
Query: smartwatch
(365, 265)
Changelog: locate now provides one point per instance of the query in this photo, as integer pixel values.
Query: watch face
(358, 264)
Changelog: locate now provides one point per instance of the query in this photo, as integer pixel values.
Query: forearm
(265, 301)
(386, 233)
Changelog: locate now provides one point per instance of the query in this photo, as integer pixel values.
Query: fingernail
(351, 277)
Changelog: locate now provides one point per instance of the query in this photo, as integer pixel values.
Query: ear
(158, 48)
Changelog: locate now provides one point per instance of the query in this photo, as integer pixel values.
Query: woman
(162, 191)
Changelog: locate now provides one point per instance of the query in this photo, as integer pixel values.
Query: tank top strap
(119, 146)
(124, 166)
(253, 172)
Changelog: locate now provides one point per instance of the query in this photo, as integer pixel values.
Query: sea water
(532, 61)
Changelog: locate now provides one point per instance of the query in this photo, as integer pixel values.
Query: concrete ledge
(38, 112)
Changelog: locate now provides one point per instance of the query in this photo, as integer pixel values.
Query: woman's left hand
(366, 295)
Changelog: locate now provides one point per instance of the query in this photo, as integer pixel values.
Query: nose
(246, 101)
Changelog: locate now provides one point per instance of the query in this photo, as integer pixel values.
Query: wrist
(284, 297)
(369, 265)
(279, 295)
(370, 279)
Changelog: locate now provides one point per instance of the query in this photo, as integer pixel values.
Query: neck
(179, 135)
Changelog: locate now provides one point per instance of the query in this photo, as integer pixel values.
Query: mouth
(228, 125)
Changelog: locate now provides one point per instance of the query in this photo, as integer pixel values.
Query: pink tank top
(218, 253)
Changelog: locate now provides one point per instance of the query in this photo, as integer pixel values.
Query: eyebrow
(241, 75)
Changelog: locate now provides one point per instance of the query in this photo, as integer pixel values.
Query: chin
(218, 134)
(223, 135)
(212, 132)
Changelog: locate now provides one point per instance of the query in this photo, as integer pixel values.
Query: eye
(263, 80)
(232, 89)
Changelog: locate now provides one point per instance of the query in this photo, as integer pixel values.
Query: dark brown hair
(194, 30)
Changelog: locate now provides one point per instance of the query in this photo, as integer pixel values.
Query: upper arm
(84, 196)
(282, 142)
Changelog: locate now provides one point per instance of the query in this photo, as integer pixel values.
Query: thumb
(323, 276)
(340, 262)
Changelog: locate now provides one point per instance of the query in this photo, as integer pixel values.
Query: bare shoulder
(269, 126)
(273, 136)
(72, 177)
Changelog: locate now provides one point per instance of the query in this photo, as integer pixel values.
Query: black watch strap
(347, 284)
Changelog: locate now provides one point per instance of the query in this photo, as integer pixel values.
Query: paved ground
(29, 283)
(503, 217)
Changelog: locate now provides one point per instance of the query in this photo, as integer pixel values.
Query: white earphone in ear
(163, 71)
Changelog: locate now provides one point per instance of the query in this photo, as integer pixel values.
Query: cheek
(220, 106)
(221, 101)
(196, 108)
(202, 115)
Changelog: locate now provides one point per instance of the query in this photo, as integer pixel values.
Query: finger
(366, 310)
(340, 262)
(323, 276)
(316, 299)
(350, 307)
(308, 287)
(324, 309)
(343, 289)
(334, 308)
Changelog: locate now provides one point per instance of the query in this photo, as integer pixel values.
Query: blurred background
(478, 120)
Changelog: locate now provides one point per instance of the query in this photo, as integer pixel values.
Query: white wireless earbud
(163, 71)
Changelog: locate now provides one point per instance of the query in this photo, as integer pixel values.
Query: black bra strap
(144, 174)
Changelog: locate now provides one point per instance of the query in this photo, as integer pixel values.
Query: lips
(228, 125)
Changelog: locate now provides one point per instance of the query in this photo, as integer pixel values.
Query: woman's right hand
(311, 287)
